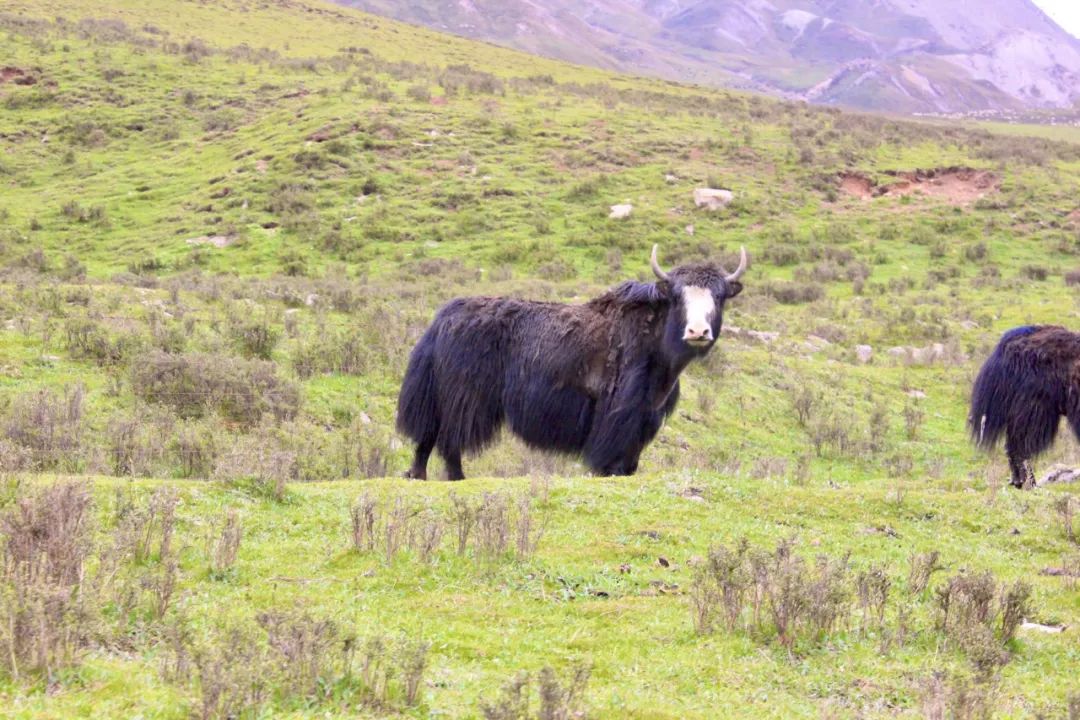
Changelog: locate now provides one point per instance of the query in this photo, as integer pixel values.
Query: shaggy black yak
(596, 379)
(1030, 380)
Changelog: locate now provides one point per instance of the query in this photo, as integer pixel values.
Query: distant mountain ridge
(894, 55)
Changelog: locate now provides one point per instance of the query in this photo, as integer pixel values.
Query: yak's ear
(663, 289)
(734, 287)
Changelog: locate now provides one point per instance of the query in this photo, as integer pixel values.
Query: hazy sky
(1066, 13)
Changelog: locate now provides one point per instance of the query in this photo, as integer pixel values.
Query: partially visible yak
(596, 379)
(1026, 385)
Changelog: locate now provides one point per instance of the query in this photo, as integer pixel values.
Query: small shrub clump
(194, 384)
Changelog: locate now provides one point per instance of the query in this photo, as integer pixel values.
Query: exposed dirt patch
(857, 185)
(218, 241)
(955, 185)
(16, 75)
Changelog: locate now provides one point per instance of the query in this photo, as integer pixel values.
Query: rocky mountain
(896, 55)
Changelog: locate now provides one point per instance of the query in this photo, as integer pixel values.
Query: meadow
(224, 225)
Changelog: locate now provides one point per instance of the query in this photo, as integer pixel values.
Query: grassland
(278, 195)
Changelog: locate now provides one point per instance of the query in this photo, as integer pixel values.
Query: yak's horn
(738, 271)
(656, 265)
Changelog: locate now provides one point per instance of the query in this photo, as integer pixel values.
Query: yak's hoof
(411, 474)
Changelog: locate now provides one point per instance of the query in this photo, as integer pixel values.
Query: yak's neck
(629, 297)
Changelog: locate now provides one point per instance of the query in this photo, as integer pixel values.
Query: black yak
(596, 379)
(1030, 380)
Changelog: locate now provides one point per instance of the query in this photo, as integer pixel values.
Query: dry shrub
(527, 531)
(256, 461)
(463, 512)
(234, 677)
(1065, 508)
(958, 698)
(396, 527)
(223, 548)
(427, 535)
(48, 428)
(193, 384)
(921, 567)
(145, 532)
(86, 339)
(786, 595)
(493, 525)
(365, 515)
(365, 452)
(722, 585)
(345, 352)
(557, 700)
(195, 448)
(303, 646)
(297, 657)
(48, 610)
(971, 606)
(793, 293)
(134, 442)
(872, 586)
(254, 338)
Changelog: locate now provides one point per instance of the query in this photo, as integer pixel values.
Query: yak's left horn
(659, 271)
(738, 271)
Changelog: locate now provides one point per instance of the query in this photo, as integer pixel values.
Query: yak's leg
(626, 465)
(619, 431)
(453, 466)
(418, 471)
(1022, 475)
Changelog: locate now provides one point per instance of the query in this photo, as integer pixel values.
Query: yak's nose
(702, 332)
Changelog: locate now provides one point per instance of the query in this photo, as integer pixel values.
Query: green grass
(488, 620)
(1067, 133)
(502, 185)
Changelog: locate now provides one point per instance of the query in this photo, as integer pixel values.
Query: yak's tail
(1003, 390)
(418, 412)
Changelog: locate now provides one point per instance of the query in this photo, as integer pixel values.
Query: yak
(1030, 380)
(596, 379)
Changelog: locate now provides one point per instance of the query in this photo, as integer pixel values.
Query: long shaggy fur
(1030, 380)
(596, 379)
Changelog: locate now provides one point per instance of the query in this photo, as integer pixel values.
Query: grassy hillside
(223, 227)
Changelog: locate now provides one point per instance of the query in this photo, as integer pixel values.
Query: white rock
(1060, 474)
(621, 211)
(763, 336)
(1039, 627)
(864, 353)
(689, 229)
(713, 199)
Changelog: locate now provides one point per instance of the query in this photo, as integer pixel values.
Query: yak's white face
(700, 308)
